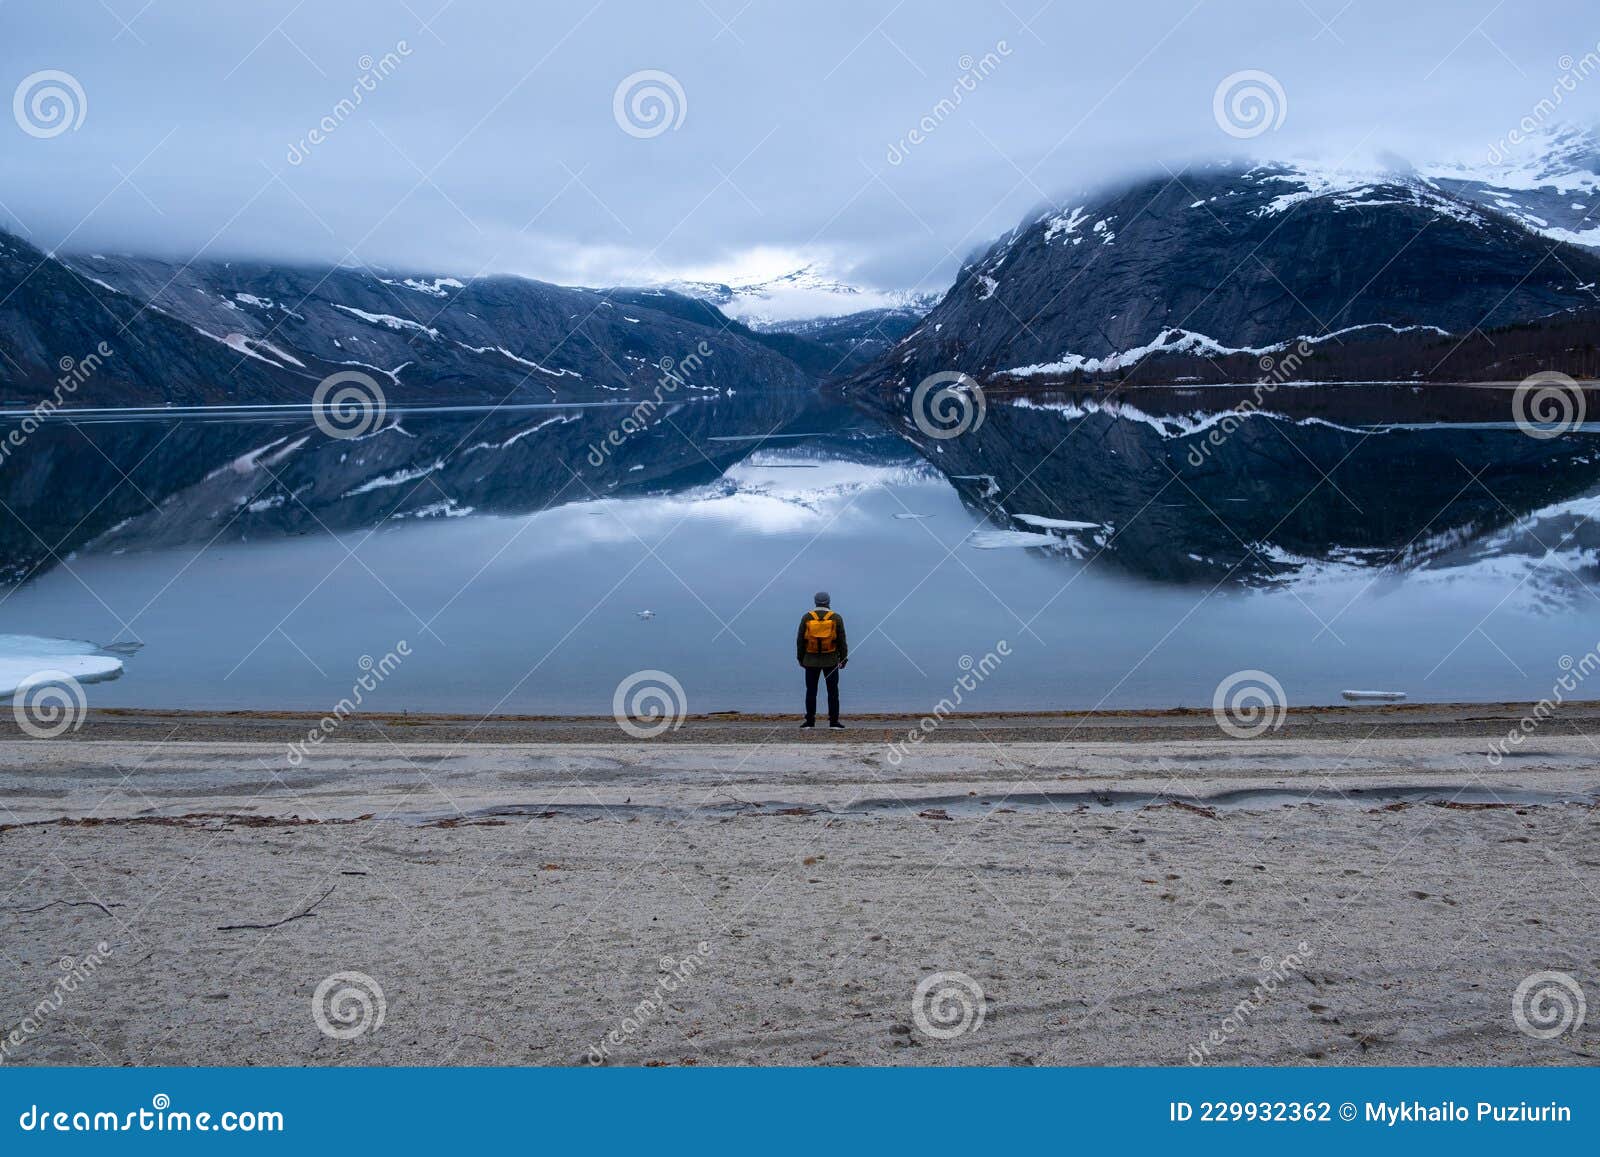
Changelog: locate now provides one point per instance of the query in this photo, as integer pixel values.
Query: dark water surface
(264, 564)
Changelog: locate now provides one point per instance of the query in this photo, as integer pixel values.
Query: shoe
(836, 726)
(806, 724)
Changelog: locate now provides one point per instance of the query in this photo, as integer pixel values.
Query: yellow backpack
(822, 632)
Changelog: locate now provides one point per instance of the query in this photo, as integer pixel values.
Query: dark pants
(812, 675)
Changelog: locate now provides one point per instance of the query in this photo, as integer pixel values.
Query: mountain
(855, 340)
(215, 331)
(826, 347)
(828, 354)
(1550, 182)
(1175, 485)
(56, 327)
(801, 296)
(1234, 260)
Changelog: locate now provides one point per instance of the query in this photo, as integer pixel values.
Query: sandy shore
(1145, 899)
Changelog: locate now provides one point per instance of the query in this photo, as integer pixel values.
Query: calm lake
(1121, 559)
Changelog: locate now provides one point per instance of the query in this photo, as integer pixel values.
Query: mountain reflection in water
(1129, 555)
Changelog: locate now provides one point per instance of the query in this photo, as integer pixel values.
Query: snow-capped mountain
(219, 331)
(1550, 183)
(801, 295)
(1235, 259)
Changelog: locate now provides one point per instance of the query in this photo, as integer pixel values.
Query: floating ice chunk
(1004, 539)
(24, 657)
(1054, 523)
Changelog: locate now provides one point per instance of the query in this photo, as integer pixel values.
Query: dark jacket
(822, 658)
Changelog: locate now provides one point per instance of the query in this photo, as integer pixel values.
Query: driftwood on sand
(309, 910)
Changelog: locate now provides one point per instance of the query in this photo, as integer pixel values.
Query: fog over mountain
(878, 144)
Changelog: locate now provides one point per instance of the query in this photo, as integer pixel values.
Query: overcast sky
(493, 145)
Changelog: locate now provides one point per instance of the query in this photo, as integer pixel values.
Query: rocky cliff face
(246, 332)
(54, 320)
(1224, 259)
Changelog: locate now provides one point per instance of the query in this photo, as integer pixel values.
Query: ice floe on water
(1006, 539)
(24, 658)
(1044, 523)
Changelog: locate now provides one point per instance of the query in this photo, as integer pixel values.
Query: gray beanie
(820, 598)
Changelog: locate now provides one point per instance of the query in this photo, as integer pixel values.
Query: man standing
(821, 648)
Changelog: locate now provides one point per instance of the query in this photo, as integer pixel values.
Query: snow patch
(1187, 341)
(398, 478)
(388, 321)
